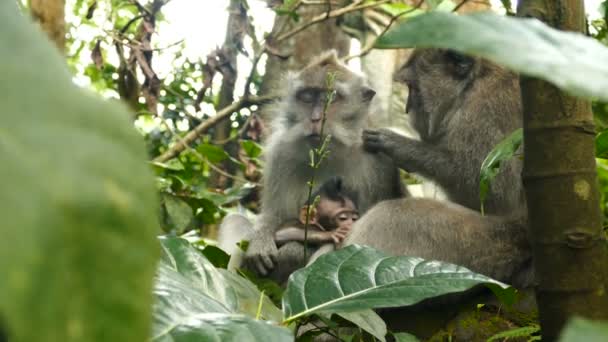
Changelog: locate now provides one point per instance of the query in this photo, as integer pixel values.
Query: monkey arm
(413, 155)
(315, 236)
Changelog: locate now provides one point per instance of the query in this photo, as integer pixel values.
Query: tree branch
(355, 6)
(181, 145)
(367, 49)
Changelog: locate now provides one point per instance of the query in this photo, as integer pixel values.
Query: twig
(203, 158)
(317, 155)
(394, 18)
(355, 6)
(462, 3)
(207, 124)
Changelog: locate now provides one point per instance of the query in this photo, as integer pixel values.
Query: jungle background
(196, 77)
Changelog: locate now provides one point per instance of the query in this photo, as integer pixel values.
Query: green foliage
(580, 329)
(196, 301)
(77, 246)
(405, 337)
(194, 297)
(490, 167)
(530, 332)
(357, 278)
(568, 60)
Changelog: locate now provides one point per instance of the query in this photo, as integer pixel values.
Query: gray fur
(491, 245)
(460, 112)
(373, 176)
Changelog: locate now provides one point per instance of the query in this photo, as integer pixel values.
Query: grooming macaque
(300, 118)
(491, 245)
(329, 221)
(461, 107)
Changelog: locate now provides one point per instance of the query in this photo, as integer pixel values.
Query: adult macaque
(299, 118)
(329, 221)
(461, 107)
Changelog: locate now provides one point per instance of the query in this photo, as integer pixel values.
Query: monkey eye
(457, 57)
(461, 64)
(343, 216)
(307, 95)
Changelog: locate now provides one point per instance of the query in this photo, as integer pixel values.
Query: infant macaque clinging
(329, 221)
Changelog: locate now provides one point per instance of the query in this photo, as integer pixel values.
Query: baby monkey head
(334, 208)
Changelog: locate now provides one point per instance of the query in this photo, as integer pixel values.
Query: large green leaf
(601, 145)
(367, 320)
(499, 154)
(185, 314)
(235, 293)
(580, 329)
(569, 60)
(358, 278)
(77, 241)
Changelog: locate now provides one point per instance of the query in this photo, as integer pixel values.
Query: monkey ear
(367, 94)
(312, 219)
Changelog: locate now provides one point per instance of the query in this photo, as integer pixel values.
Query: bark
(570, 251)
(226, 96)
(51, 16)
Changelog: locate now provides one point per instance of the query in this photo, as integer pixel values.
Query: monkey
(301, 124)
(329, 221)
(495, 246)
(461, 107)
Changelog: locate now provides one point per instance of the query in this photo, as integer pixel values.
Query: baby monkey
(329, 221)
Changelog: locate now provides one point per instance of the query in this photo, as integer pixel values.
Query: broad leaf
(358, 278)
(601, 145)
(77, 244)
(215, 154)
(491, 165)
(405, 337)
(183, 313)
(569, 60)
(527, 331)
(235, 293)
(367, 320)
(178, 214)
(580, 329)
(251, 148)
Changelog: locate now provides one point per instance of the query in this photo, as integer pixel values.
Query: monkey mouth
(314, 138)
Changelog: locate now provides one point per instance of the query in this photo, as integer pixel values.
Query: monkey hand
(382, 140)
(340, 234)
(261, 256)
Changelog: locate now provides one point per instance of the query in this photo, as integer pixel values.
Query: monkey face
(315, 106)
(334, 214)
(339, 112)
(436, 79)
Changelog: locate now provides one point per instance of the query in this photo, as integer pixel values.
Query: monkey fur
(296, 131)
(461, 107)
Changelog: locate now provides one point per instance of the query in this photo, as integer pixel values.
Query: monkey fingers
(371, 140)
(264, 263)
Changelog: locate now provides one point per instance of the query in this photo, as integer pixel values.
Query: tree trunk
(51, 16)
(221, 131)
(570, 251)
